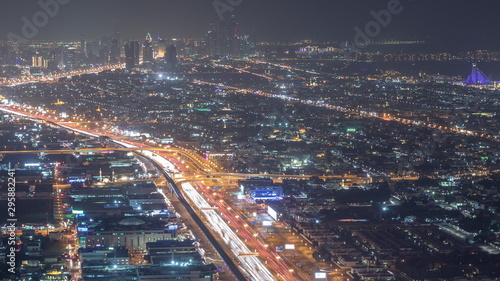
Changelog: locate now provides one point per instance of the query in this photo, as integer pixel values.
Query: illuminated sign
(267, 223)
(289, 246)
(272, 213)
(320, 275)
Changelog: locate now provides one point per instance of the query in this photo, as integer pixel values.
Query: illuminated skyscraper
(212, 41)
(132, 53)
(148, 49)
(228, 38)
(232, 34)
(38, 61)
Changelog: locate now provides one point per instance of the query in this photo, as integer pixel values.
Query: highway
(204, 168)
(357, 112)
(54, 77)
(240, 223)
(251, 266)
(255, 258)
(163, 165)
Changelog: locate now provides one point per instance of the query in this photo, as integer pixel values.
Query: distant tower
(230, 35)
(171, 57)
(114, 55)
(131, 54)
(148, 49)
(118, 36)
(83, 50)
(212, 41)
(38, 61)
(116, 28)
(82, 44)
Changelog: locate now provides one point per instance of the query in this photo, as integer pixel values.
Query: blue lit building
(477, 77)
(272, 192)
(262, 189)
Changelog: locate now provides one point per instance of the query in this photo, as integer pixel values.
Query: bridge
(206, 168)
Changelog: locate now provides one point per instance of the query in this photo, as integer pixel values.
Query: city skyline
(444, 24)
(240, 140)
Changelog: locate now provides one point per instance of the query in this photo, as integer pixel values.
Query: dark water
(492, 69)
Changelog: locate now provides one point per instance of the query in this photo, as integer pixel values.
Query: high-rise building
(148, 55)
(212, 41)
(132, 53)
(83, 50)
(229, 36)
(162, 47)
(232, 34)
(70, 59)
(39, 61)
(104, 49)
(171, 57)
(7, 54)
(114, 55)
(82, 44)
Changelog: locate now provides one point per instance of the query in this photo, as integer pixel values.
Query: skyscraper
(171, 57)
(232, 34)
(229, 36)
(132, 54)
(38, 61)
(83, 50)
(82, 44)
(114, 55)
(212, 41)
(148, 55)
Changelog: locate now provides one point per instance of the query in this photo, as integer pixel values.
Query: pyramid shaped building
(477, 77)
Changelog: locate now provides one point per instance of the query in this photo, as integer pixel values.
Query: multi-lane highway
(249, 267)
(53, 77)
(201, 167)
(354, 111)
(164, 165)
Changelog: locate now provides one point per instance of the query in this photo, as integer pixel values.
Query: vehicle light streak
(253, 266)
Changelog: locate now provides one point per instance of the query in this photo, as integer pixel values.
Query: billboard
(272, 213)
(320, 275)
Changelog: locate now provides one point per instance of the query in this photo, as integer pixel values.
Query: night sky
(449, 24)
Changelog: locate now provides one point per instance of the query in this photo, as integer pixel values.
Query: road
(249, 265)
(53, 77)
(357, 112)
